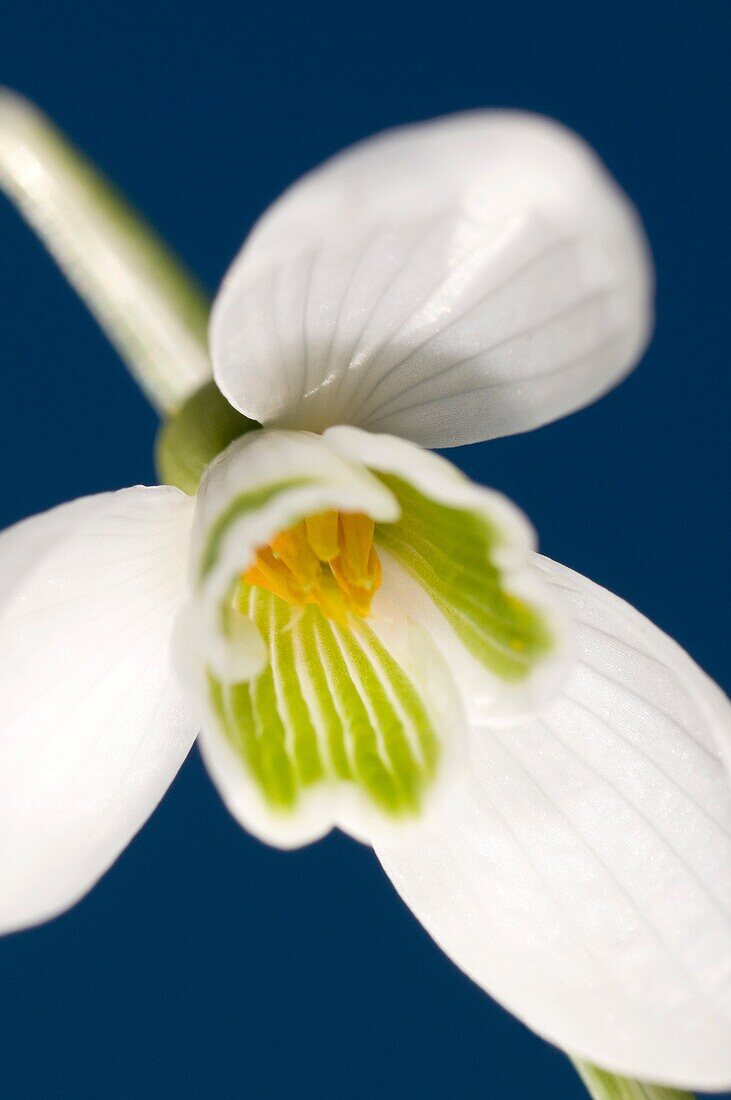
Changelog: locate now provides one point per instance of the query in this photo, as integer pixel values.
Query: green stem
(602, 1085)
(148, 304)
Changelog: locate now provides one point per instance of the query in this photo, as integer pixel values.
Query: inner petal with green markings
(355, 601)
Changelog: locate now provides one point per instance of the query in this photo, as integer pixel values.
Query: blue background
(205, 964)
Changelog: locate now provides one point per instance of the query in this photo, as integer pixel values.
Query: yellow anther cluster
(328, 560)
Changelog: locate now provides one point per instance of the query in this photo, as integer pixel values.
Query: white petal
(447, 282)
(92, 726)
(488, 692)
(585, 882)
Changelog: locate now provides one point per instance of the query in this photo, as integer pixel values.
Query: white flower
(367, 639)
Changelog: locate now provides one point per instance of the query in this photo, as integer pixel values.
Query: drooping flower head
(365, 638)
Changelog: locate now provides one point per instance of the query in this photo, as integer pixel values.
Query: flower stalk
(149, 306)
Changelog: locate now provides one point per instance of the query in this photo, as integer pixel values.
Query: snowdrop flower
(367, 640)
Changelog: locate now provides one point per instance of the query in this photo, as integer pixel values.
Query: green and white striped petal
(305, 724)
(308, 723)
(336, 730)
(459, 560)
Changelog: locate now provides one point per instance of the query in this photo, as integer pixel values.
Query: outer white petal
(586, 880)
(92, 726)
(446, 282)
(486, 696)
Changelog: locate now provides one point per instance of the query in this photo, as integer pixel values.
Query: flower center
(328, 560)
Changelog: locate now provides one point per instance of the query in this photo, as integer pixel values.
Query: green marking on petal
(233, 709)
(417, 720)
(371, 769)
(325, 715)
(239, 506)
(290, 700)
(279, 774)
(450, 552)
(331, 706)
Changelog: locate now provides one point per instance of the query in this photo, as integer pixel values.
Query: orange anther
(322, 535)
(294, 550)
(328, 560)
(269, 572)
(356, 540)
